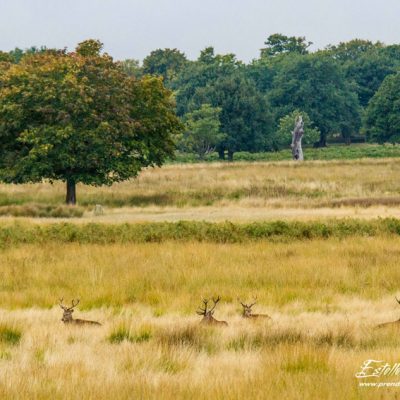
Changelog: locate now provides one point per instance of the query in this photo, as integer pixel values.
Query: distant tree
(166, 63)
(207, 70)
(351, 50)
(6, 57)
(18, 53)
(202, 131)
(383, 112)
(280, 44)
(316, 84)
(282, 138)
(366, 64)
(132, 68)
(245, 113)
(77, 117)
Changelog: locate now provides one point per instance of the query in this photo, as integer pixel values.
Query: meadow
(325, 298)
(302, 238)
(238, 191)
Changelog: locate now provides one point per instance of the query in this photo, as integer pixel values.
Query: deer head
(247, 312)
(208, 313)
(67, 315)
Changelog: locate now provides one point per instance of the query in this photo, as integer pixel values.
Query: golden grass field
(325, 296)
(236, 191)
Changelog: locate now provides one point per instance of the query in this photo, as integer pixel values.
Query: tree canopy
(164, 62)
(383, 112)
(77, 117)
(281, 44)
(202, 131)
(317, 85)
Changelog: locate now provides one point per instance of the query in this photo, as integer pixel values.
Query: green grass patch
(227, 232)
(124, 333)
(10, 335)
(332, 152)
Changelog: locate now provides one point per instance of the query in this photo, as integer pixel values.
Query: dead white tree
(297, 135)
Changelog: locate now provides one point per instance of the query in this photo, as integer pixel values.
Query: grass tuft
(10, 335)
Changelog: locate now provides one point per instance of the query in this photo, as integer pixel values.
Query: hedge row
(227, 232)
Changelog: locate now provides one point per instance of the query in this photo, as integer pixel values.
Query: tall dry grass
(261, 184)
(325, 298)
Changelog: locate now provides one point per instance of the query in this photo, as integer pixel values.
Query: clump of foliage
(203, 131)
(277, 44)
(282, 138)
(383, 116)
(164, 62)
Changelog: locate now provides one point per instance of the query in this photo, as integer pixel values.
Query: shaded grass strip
(227, 232)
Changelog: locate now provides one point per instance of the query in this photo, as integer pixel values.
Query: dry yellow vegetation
(324, 296)
(240, 191)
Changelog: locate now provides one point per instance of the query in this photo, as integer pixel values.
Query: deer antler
(61, 305)
(75, 303)
(243, 305)
(215, 303)
(203, 311)
(252, 304)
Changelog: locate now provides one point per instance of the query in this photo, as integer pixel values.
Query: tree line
(230, 106)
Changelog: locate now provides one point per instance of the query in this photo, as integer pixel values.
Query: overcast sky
(133, 28)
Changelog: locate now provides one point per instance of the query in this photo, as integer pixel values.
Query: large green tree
(222, 81)
(164, 62)
(317, 85)
(202, 131)
(366, 64)
(77, 117)
(383, 112)
(245, 113)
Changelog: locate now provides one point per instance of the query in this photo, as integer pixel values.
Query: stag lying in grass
(207, 314)
(248, 313)
(67, 315)
(393, 324)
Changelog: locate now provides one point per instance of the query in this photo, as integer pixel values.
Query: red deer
(208, 314)
(393, 324)
(248, 313)
(67, 315)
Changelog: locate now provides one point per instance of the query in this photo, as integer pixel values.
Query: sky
(133, 28)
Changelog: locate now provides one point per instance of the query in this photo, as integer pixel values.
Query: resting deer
(208, 314)
(395, 324)
(248, 313)
(67, 315)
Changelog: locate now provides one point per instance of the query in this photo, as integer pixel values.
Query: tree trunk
(221, 154)
(322, 141)
(71, 192)
(297, 135)
(230, 155)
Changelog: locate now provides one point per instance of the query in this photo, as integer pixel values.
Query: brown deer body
(67, 315)
(248, 313)
(393, 324)
(208, 318)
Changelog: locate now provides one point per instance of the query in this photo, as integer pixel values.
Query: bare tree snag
(297, 135)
